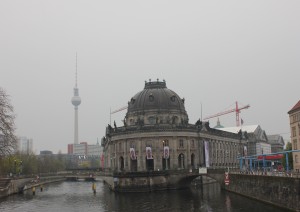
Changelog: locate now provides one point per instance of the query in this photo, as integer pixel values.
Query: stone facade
(157, 136)
(294, 115)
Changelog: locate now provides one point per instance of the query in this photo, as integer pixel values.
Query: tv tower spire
(76, 100)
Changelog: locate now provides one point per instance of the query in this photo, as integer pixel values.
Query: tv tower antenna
(76, 100)
(76, 72)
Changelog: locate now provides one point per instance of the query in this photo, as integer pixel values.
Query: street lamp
(21, 167)
(15, 169)
(165, 156)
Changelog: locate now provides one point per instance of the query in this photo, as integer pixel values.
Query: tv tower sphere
(76, 100)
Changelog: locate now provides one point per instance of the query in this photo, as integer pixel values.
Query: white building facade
(25, 145)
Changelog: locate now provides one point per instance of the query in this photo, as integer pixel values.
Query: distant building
(78, 149)
(294, 115)
(25, 145)
(277, 143)
(46, 152)
(257, 140)
(95, 149)
(85, 149)
(218, 125)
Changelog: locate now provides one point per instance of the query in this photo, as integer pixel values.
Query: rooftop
(249, 128)
(297, 106)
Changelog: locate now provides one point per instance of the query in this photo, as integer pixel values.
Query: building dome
(156, 96)
(157, 102)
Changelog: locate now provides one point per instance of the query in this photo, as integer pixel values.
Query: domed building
(158, 140)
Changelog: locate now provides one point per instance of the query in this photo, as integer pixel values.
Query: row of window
(294, 131)
(295, 117)
(295, 144)
(216, 146)
(156, 120)
(151, 98)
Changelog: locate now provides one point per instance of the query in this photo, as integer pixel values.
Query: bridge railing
(154, 173)
(293, 174)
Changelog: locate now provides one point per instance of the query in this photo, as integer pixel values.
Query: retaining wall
(280, 191)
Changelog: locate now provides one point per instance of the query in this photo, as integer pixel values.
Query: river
(78, 196)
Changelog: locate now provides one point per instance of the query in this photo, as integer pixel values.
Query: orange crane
(115, 111)
(237, 111)
(118, 110)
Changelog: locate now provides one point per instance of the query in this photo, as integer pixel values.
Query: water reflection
(78, 196)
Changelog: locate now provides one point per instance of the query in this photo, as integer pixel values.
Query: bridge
(89, 177)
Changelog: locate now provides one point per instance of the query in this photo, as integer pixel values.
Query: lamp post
(21, 167)
(165, 156)
(15, 167)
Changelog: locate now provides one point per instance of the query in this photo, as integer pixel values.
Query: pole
(287, 161)
(201, 111)
(241, 163)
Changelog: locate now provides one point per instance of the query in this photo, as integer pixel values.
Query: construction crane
(237, 111)
(118, 110)
(115, 111)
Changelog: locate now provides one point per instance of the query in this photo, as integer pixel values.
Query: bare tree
(8, 139)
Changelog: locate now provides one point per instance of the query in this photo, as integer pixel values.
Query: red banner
(149, 153)
(166, 152)
(132, 154)
(226, 180)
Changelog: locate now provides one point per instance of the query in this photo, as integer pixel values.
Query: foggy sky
(212, 53)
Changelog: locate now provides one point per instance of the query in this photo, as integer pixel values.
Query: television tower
(76, 100)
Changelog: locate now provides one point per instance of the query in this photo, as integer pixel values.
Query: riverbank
(10, 186)
(282, 192)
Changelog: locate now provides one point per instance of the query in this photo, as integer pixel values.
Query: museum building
(156, 135)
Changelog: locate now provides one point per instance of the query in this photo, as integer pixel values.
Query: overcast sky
(209, 52)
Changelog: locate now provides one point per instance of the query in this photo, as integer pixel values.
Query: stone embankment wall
(13, 186)
(146, 182)
(280, 191)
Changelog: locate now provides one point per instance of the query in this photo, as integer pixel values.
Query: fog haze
(212, 53)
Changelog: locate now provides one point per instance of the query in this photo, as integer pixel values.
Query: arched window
(181, 161)
(193, 161)
(121, 160)
(151, 98)
(181, 143)
(193, 144)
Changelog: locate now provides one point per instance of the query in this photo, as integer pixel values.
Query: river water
(78, 196)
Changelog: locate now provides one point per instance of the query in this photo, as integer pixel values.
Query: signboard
(203, 170)
(226, 180)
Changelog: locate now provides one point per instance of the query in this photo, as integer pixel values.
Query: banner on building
(149, 153)
(226, 178)
(132, 154)
(245, 151)
(206, 151)
(166, 152)
(102, 161)
(245, 155)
